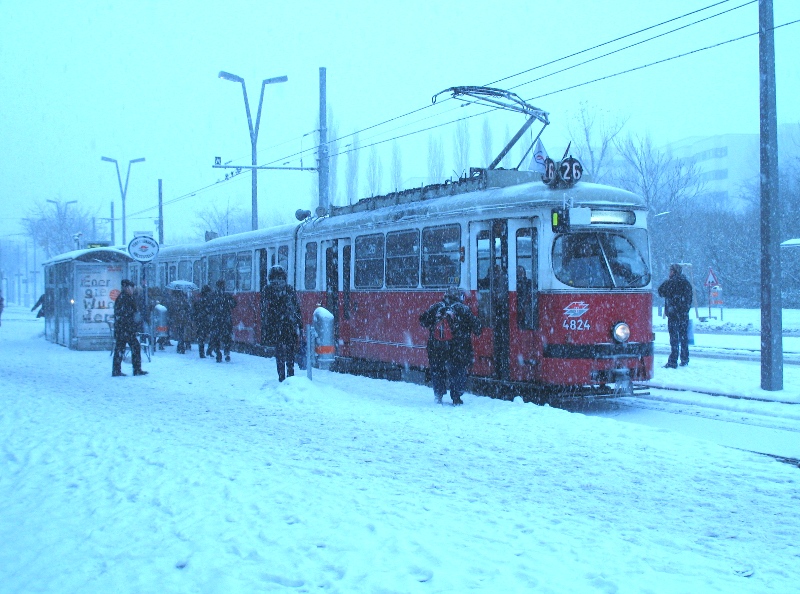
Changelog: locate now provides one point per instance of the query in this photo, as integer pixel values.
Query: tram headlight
(621, 332)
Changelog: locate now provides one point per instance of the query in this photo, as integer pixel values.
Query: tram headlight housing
(621, 332)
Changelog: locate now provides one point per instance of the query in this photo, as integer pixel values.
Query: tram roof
(491, 201)
(100, 254)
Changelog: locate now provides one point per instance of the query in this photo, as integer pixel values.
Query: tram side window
(527, 278)
(197, 274)
(441, 256)
(185, 271)
(172, 273)
(283, 257)
(311, 266)
(244, 271)
(369, 261)
(229, 271)
(214, 270)
(402, 259)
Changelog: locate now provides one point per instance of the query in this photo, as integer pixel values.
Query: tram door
(489, 268)
(337, 282)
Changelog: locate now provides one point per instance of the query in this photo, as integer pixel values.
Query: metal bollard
(325, 349)
(160, 321)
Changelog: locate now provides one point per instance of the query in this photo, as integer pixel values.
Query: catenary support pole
(324, 200)
(771, 322)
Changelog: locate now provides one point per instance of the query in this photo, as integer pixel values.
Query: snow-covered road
(205, 477)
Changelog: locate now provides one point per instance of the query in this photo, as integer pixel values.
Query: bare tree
(486, 143)
(506, 162)
(593, 136)
(435, 159)
(397, 167)
(351, 179)
(55, 230)
(374, 172)
(663, 181)
(222, 220)
(461, 148)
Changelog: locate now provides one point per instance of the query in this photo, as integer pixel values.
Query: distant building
(729, 164)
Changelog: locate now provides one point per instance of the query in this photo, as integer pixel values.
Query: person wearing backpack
(451, 325)
(677, 293)
(283, 321)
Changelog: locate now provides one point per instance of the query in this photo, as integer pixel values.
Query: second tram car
(564, 303)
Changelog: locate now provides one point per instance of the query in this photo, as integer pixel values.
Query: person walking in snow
(283, 321)
(222, 306)
(677, 293)
(201, 316)
(125, 323)
(180, 319)
(451, 324)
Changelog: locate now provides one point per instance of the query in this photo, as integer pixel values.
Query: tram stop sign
(143, 248)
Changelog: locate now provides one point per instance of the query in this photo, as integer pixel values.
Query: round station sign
(143, 248)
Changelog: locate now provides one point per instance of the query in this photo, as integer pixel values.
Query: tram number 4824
(574, 324)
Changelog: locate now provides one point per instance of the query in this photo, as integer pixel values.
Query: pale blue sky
(129, 79)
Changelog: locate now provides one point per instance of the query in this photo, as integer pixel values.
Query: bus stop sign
(143, 249)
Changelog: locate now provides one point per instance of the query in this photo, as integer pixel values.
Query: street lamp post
(253, 132)
(123, 191)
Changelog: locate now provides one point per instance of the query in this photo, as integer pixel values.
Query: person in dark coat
(125, 324)
(201, 316)
(222, 306)
(283, 321)
(677, 293)
(180, 319)
(2, 305)
(451, 324)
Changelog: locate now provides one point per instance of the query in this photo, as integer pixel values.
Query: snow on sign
(143, 248)
(711, 280)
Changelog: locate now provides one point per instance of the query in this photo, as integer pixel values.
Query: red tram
(560, 278)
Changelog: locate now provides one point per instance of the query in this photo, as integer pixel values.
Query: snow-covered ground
(206, 477)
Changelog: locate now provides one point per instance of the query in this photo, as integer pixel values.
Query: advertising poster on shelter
(97, 287)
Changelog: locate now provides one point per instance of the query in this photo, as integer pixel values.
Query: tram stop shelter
(80, 289)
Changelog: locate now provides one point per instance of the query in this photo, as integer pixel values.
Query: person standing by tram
(201, 317)
(677, 293)
(222, 306)
(451, 324)
(283, 321)
(125, 326)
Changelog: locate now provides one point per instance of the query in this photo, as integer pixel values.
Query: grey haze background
(139, 79)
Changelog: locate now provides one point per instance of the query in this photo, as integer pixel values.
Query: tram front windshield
(602, 259)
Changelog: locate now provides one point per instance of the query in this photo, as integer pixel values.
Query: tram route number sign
(143, 248)
(562, 174)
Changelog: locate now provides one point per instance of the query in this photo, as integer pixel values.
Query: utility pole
(771, 321)
(160, 215)
(324, 161)
(113, 237)
(35, 274)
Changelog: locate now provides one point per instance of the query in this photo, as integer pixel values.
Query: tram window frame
(369, 259)
(244, 271)
(310, 280)
(229, 271)
(427, 256)
(172, 272)
(527, 313)
(402, 259)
